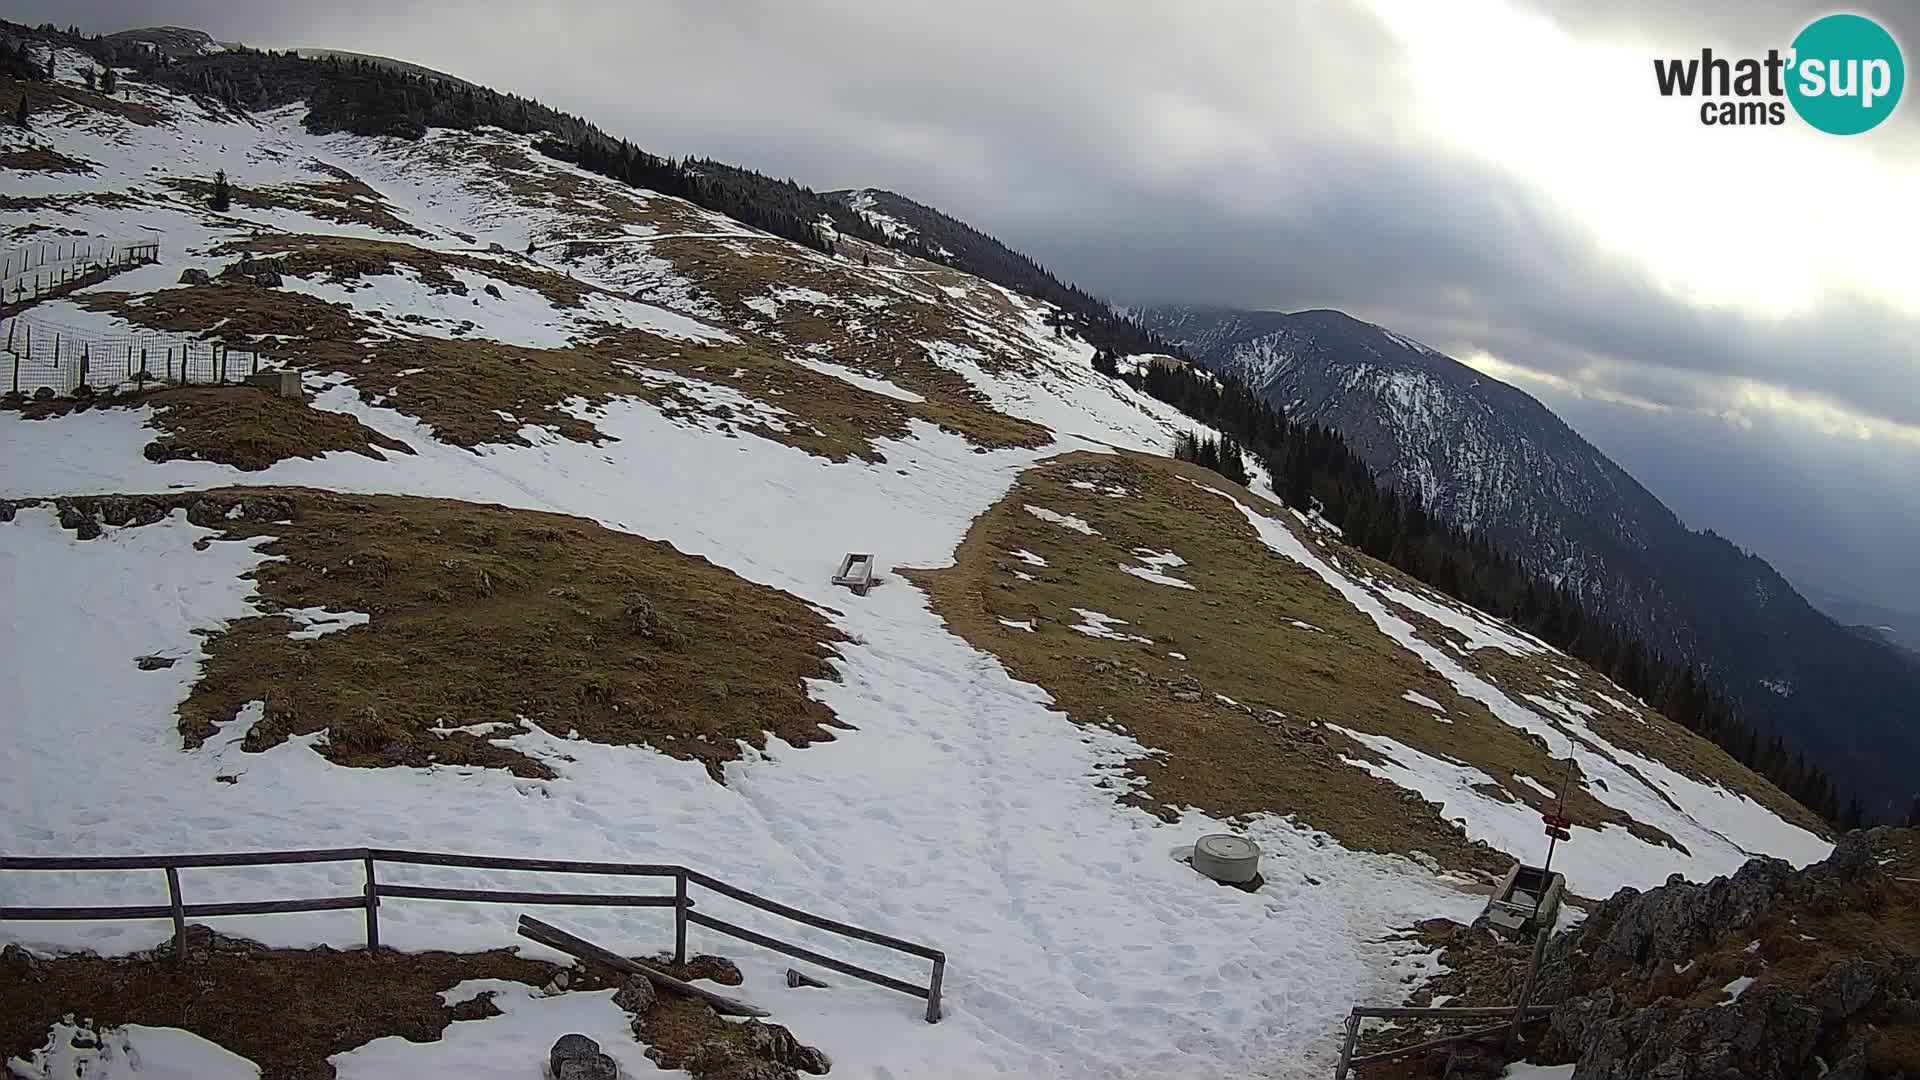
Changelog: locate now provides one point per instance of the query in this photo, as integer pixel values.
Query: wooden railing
(374, 891)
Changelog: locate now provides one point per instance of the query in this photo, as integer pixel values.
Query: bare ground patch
(286, 1010)
(43, 96)
(463, 386)
(43, 159)
(241, 426)
(289, 1010)
(342, 201)
(485, 615)
(1244, 717)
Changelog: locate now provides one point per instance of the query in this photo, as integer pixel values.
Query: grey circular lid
(1227, 846)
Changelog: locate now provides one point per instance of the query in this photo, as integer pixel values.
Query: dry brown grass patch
(461, 387)
(43, 95)
(885, 343)
(289, 1010)
(344, 201)
(251, 429)
(482, 614)
(1643, 732)
(286, 1010)
(43, 159)
(348, 258)
(241, 426)
(1236, 630)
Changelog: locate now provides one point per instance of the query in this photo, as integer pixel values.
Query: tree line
(951, 242)
(782, 208)
(1314, 471)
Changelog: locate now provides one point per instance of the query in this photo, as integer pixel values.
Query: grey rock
(45, 393)
(78, 519)
(798, 978)
(1770, 1032)
(570, 1048)
(1848, 987)
(595, 1066)
(636, 995)
(154, 663)
(777, 1043)
(193, 275)
(1189, 696)
(493, 291)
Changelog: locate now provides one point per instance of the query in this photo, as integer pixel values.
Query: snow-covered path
(961, 812)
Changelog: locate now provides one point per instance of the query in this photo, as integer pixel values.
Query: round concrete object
(1225, 857)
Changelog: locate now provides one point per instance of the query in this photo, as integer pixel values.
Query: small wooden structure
(579, 947)
(856, 573)
(1528, 899)
(284, 384)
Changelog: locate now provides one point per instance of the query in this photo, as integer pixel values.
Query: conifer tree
(89, 77)
(222, 194)
(109, 81)
(20, 111)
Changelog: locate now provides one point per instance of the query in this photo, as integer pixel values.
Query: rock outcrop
(1770, 974)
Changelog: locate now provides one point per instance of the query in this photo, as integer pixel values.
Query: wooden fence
(37, 354)
(374, 891)
(29, 274)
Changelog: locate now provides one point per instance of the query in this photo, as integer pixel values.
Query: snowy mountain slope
(1487, 456)
(665, 372)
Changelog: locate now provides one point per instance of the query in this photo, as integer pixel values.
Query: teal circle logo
(1846, 74)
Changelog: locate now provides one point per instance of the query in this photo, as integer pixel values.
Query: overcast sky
(1496, 177)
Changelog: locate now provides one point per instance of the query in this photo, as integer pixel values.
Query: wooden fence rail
(373, 892)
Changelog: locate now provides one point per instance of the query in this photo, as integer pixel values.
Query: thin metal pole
(373, 908)
(179, 916)
(1553, 838)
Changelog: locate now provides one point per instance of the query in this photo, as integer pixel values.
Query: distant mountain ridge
(1484, 455)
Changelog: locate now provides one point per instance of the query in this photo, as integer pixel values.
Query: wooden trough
(1528, 898)
(856, 573)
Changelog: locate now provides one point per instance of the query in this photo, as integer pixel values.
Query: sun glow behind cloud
(1762, 219)
(1768, 222)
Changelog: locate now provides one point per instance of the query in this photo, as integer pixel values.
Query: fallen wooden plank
(554, 937)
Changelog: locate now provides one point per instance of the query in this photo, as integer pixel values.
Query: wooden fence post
(1346, 1046)
(373, 909)
(933, 990)
(169, 363)
(1526, 990)
(680, 917)
(179, 916)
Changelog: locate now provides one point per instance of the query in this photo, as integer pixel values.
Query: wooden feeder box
(856, 573)
(1527, 899)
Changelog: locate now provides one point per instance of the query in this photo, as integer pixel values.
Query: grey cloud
(1240, 153)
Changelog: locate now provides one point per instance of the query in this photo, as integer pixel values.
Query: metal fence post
(373, 909)
(680, 917)
(179, 916)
